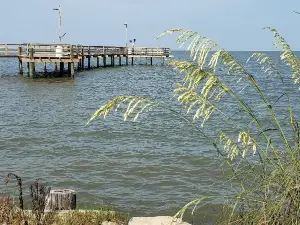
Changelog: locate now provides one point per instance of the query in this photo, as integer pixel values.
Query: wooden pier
(62, 54)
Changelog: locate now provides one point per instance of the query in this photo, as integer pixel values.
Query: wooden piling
(104, 61)
(61, 68)
(89, 62)
(112, 60)
(82, 59)
(131, 60)
(28, 68)
(69, 68)
(20, 66)
(89, 58)
(45, 67)
(120, 61)
(20, 61)
(72, 70)
(31, 64)
(98, 62)
(127, 60)
(151, 61)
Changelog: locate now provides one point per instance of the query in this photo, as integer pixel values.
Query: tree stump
(64, 199)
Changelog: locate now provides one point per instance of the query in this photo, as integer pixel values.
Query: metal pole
(59, 24)
(126, 28)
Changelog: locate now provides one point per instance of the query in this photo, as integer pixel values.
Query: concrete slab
(159, 220)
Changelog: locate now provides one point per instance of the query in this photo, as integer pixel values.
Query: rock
(159, 220)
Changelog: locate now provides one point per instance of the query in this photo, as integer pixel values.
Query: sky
(234, 24)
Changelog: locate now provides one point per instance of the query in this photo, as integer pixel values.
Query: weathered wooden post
(45, 67)
(28, 66)
(69, 68)
(72, 70)
(98, 62)
(131, 60)
(61, 199)
(61, 68)
(104, 60)
(82, 58)
(112, 60)
(126, 60)
(120, 61)
(151, 60)
(71, 64)
(31, 63)
(89, 57)
(20, 60)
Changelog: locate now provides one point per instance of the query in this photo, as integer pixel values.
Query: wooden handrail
(73, 51)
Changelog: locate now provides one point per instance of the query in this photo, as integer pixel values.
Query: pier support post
(20, 66)
(126, 60)
(131, 60)
(151, 60)
(82, 63)
(120, 61)
(104, 60)
(89, 58)
(31, 69)
(20, 61)
(98, 62)
(61, 68)
(82, 59)
(45, 67)
(78, 66)
(112, 60)
(89, 62)
(31, 64)
(28, 68)
(69, 68)
(72, 70)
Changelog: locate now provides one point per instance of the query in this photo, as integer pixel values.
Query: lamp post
(59, 23)
(126, 30)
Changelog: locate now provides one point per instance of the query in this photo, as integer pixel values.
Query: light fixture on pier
(132, 42)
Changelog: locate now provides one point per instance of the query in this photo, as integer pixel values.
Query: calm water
(150, 167)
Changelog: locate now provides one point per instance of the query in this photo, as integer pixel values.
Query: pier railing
(36, 50)
(9, 50)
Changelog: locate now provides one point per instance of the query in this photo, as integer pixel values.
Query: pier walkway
(31, 53)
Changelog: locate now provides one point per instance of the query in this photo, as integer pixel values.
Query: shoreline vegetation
(261, 154)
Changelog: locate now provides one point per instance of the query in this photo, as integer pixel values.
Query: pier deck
(32, 53)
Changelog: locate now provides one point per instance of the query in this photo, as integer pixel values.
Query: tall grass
(262, 152)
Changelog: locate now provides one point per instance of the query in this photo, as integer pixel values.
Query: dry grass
(12, 215)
